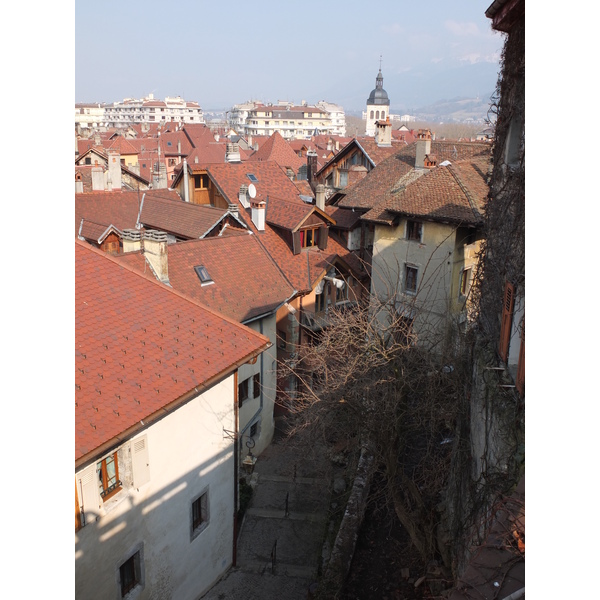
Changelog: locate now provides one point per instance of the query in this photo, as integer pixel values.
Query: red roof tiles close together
(134, 357)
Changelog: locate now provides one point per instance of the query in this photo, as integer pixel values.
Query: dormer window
(309, 237)
(202, 272)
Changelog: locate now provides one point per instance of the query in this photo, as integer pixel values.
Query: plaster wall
(259, 406)
(188, 454)
(433, 257)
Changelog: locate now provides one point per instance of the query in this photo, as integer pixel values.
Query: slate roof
(183, 219)
(140, 346)
(247, 282)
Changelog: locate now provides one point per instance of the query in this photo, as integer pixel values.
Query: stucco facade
(425, 274)
(188, 456)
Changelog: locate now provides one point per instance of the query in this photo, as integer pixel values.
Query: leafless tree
(367, 378)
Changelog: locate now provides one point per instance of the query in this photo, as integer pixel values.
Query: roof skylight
(202, 272)
(252, 177)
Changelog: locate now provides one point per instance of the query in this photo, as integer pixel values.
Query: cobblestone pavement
(287, 519)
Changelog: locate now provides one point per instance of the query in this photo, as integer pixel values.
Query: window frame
(464, 284)
(199, 513)
(256, 385)
(243, 387)
(409, 235)
(407, 290)
(136, 561)
(108, 490)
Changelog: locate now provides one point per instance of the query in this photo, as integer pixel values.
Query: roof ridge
(465, 190)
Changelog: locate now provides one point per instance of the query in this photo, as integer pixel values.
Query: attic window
(205, 278)
(169, 144)
(252, 177)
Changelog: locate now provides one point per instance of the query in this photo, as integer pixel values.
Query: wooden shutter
(140, 461)
(323, 234)
(296, 243)
(87, 482)
(520, 383)
(507, 314)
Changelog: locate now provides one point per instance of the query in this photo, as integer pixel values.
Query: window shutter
(140, 461)
(507, 314)
(296, 244)
(520, 383)
(323, 233)
(89, 497)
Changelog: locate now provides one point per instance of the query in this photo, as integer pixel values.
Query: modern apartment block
(146, 110)
(291, 121)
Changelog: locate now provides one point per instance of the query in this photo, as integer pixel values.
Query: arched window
(371, 114)
(377, 115)
(383, 114)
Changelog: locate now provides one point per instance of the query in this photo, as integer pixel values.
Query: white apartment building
(145, 110)
(291, 121)
(90, 115)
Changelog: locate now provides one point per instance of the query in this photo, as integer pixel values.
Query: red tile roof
(229, 260)
(191, 221)
(140, 346)
(302, 270)
(122, 146)
(369, 191)
(117, 208)
(455, 193)
(278, 150)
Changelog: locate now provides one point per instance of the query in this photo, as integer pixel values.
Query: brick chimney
(423, 147)
(132, 240)
(155, 251)
(258, 213)
(320, 197)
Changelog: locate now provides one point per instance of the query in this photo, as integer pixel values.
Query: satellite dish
(252, 191)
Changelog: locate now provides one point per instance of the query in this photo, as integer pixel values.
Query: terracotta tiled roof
(278, 150)
(122, 146)
(96, 231)
(304, 188)
(118, 208)
(302, 270)
(455, 193)
(191, 221)
(369, 191)
(286, 214)
(208, 152)
(345, 218)
(140, 346)
(229, 261)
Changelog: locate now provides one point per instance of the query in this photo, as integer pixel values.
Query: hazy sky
(223, 53)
